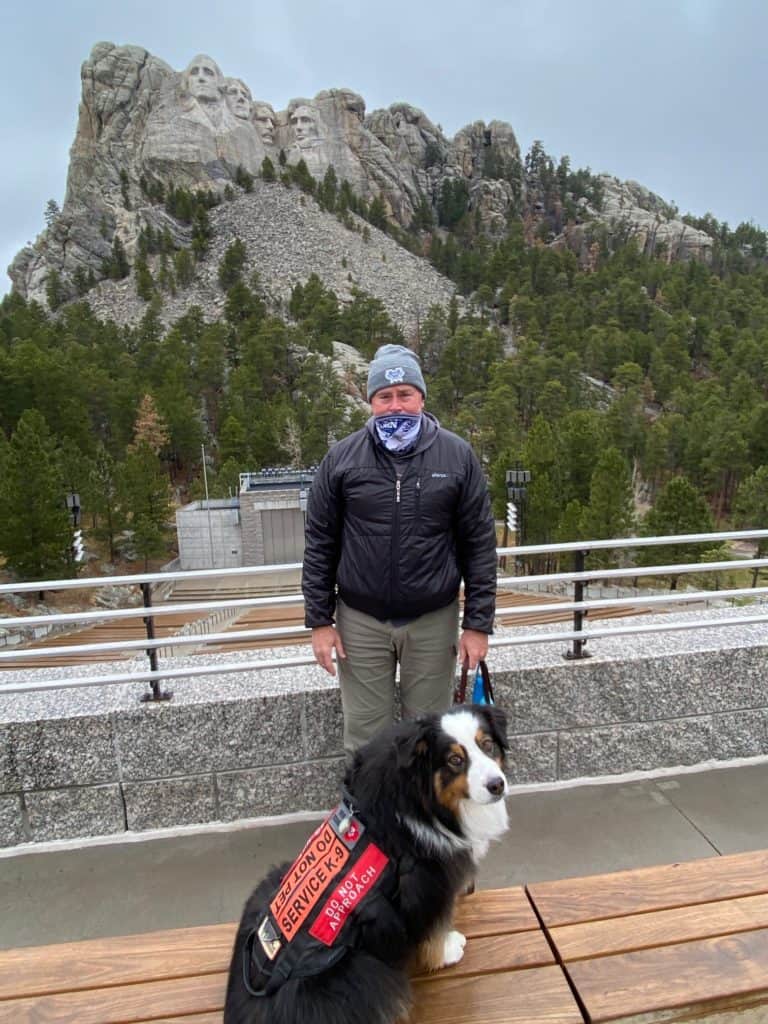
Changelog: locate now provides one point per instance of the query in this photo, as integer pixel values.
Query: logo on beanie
(396, 375)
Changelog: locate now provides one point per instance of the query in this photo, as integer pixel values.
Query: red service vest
(300, 935)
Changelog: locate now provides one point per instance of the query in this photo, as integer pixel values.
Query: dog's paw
(453, 948)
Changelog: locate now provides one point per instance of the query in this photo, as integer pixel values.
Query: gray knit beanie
(394, 364)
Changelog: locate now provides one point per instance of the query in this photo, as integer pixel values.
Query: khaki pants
(426, 650)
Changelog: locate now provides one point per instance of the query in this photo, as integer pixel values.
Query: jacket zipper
(394, 578)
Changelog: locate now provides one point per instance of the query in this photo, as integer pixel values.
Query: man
(398, 515)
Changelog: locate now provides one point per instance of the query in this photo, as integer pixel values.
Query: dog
(332, 938)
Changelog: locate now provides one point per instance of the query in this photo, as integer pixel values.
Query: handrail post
(579, 593)
(149, 624)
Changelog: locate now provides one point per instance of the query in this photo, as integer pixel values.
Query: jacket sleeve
(476, 549)
(322, 537)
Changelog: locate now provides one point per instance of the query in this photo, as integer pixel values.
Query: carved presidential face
(306, 130)
(202, 79)
(239, 98)
(264, 120)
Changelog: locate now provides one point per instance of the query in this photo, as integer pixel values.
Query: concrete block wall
(197, 528)
(242, 745)
(590, 718)
(252, 504)
(143, 766)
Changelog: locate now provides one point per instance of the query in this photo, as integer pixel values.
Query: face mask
(398, 431)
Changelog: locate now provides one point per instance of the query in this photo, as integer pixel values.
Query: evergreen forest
(633, 387)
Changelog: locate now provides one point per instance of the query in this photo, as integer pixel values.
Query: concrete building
(264, 525)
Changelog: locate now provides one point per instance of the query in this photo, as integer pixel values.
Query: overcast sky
(671, 93)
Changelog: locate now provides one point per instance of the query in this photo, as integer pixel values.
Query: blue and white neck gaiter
(398, 431)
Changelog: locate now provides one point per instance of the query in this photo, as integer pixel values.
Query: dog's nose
(495, 786)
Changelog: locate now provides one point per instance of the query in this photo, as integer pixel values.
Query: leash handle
(460, 693)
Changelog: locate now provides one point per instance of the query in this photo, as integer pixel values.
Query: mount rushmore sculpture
(140, 121)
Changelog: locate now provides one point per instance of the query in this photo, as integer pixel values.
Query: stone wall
(95, 761)
(259, 547)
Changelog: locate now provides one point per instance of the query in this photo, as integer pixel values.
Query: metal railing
(578, 637)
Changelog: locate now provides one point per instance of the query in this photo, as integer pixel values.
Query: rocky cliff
(287, 237)
(142, 126)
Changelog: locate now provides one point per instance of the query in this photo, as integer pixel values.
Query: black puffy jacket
(397, 534)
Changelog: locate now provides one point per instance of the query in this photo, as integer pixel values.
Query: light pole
(517, 490)
(208, 506)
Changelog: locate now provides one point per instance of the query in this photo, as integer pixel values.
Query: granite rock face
(141, 123)
(650, 220)
(288, 237)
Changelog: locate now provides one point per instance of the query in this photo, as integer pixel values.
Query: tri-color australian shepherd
(333, 937)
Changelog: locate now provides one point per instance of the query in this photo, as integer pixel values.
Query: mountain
(146, 132)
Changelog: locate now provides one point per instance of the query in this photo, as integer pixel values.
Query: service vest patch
(337, 866)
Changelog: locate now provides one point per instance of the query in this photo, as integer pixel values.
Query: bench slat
(697, 978)
(180, 952)
(571, 900)
(118, 961)
(196, 1018)
(539, 995)
(121, 1004)
(660, 928)
(494, 911)
(490, 953)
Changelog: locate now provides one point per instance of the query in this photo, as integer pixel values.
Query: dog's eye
(488, 746)
(456, 761)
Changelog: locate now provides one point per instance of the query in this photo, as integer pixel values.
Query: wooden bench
(681, 942)
(508, 975)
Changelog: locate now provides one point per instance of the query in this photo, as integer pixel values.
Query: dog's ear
(415, 743)
(496, 721)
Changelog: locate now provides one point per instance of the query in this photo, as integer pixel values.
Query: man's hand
(473, 646)
(325, 639)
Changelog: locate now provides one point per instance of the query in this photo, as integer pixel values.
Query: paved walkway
(120, 887)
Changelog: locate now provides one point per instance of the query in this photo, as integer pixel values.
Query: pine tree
(35, 526)
(149, 427)
(145, 286)
(328, 190)
(233, 441)
(346, 198)
(55, 293)
(145, 499)
(232, 263)
(184, 267)
(679, 508)
(377, 213)
(453, 314)
(423, 219)
(103, 485)
(751, 508)
(243, 179)
(120, 265)
(81, 281)
(124, 185)
(453, 202)
(610, 510)
(201, 232)
(52, 212)
(268, 172)
(301, 176)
